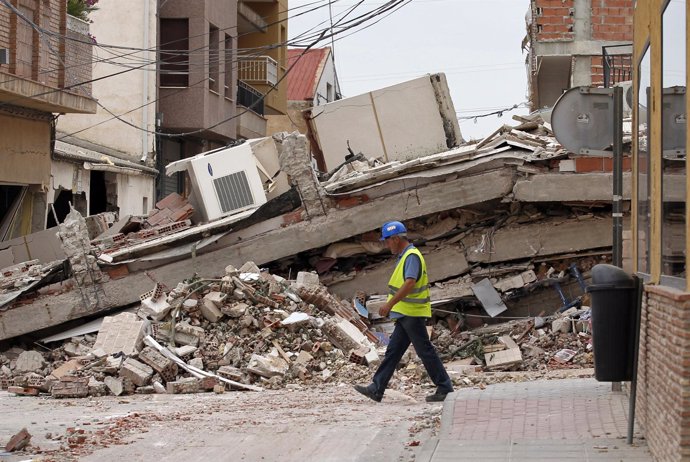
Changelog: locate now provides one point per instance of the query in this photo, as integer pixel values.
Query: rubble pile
(561, 341)
(252, 330)
(247, 330)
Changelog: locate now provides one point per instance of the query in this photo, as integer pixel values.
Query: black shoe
(368, 393)
(438, 396)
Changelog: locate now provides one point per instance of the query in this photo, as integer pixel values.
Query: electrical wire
(389, 7)
(498, 113)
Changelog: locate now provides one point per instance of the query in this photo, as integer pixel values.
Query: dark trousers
(411, 330)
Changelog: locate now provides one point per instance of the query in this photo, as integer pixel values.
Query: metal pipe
(617, 176)
(636, 348)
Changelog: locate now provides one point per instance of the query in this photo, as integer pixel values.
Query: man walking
(409, 304)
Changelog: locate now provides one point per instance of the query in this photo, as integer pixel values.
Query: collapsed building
(510, 226)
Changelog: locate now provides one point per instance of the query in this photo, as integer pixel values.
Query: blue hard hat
(392, 228)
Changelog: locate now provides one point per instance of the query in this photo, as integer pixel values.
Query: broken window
(213, 58)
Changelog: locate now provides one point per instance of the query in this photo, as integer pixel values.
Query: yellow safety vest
(418, 302)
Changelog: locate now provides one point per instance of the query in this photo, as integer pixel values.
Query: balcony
(251, 122)
(262, 70)
(617, 62)
(46, 81)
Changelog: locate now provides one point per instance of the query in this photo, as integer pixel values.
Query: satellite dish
(582, 120)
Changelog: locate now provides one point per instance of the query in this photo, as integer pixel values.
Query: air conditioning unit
(224, 181)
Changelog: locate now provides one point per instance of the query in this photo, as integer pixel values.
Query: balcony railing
(617, 65)
(250, 97)
(258, 69)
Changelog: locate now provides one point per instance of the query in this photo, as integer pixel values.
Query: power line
(498, 113)
(391, 5)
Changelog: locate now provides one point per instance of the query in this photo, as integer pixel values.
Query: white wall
(66, 175)
(129, 23)
(132, 192)
(400, 122)
(327, 76)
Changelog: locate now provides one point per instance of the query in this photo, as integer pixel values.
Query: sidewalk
(566, 419)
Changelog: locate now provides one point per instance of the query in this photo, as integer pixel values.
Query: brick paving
(568, 419)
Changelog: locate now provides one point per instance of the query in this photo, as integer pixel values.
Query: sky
(476, 43)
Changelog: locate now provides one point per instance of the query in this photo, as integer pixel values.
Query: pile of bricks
(170, 209)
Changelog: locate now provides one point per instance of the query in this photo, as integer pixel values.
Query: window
(229, 75)
(174, 54)
(673, 141)
(644, 72)
(213, 59)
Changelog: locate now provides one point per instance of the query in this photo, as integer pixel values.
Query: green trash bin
(614, 318)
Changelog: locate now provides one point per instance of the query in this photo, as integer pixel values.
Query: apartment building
(576, 43)
(45, 69)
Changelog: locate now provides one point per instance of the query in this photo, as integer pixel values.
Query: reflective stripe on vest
(418, 302)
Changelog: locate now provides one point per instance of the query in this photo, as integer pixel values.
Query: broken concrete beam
(139, 373)
(18, 441)
(267, 366)
(186, 385)
(443, 263)
(550, 237)
(122, 333)
(565, 187)
(70, 387)
(164, 366)
(343, 334)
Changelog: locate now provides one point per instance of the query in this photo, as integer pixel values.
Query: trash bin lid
(610, 276)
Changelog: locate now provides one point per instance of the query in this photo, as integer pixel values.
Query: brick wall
(663, 383)
(612, 20)
(554, 20)
(4, 30)
(78, 51)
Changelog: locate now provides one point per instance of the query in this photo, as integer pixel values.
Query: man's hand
(385, 310)
(406, 288)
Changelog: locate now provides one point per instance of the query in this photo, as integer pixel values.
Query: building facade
(197, 81)
(105, 162)
(576, 43)
(262, 65)
(45, 69)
